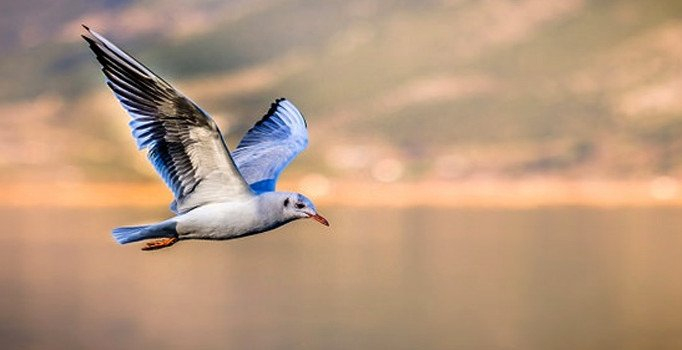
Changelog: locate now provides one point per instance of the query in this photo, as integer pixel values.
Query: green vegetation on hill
(575, 88)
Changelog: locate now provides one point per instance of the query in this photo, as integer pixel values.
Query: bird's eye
(300, 205)
(286, 202)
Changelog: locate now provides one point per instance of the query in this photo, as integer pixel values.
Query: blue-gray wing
(184, 144)
(270, 145)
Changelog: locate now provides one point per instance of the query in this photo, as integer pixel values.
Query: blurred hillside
(441, 90)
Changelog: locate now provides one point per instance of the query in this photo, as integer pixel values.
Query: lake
(421, 278)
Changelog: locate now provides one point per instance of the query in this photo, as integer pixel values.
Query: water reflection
(560, 278)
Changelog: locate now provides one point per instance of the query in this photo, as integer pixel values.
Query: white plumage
(218, 195)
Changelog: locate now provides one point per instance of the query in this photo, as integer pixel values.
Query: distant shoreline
(456, 194)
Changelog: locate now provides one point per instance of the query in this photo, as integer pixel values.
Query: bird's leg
(160, 243)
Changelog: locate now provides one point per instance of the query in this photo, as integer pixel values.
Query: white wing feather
(270, 145)
(184, 144)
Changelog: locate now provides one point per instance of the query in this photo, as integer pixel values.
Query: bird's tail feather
(131, 234)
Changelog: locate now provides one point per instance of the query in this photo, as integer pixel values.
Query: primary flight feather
(218, 195)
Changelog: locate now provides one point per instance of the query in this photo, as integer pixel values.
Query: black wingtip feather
(89, 40)
(86, 27)
(271, 110)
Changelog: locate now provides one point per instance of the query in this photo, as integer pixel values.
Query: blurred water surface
(551, 278)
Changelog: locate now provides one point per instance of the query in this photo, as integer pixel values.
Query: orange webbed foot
(160, 243)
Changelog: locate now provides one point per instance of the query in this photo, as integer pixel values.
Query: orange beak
(319, 218)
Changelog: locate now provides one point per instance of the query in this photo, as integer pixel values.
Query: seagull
(218, 195)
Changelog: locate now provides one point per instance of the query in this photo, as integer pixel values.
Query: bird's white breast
(220, 220)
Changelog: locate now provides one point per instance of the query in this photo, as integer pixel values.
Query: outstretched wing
(184, 144)
(270, 145)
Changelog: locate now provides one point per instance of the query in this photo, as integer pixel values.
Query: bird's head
(297, 206)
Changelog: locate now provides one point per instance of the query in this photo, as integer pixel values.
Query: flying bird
(218, 195)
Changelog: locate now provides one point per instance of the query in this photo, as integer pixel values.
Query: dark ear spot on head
(286, 202)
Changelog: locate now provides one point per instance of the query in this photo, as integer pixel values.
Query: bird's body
(218, 195)
(224, 220)
(228, 220)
